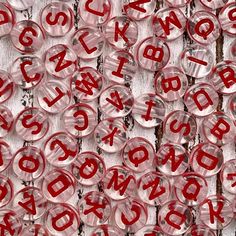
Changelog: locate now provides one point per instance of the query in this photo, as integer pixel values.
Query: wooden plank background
(143, 82)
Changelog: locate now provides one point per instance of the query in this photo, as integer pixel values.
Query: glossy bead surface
(111, 230)
(29, 203)
(150, 230)
(206, 159)
(61, 220)
(120, 67)
(88, 43)
(60, 149)
(94, 208)
(153, 54)
(87, 84)
(231, 106)
(21, 5)
(7, 190)
(27, 36)
(169, 23)
(57, 19)
(6, 119)
(36, 229)
(138, 154)
(79, 120)
(201, 99)
(128, 221)
(199, 230)
(32, 124)
(58, 186)
(88, 168)
(214, 4)
(7, 20)
(60, 61)
(218, 129)
(54, 96)
(180, 127)
(116, 101)
(111, 135)
(29, 163)
(138, 10)
(5, 155)
(232, 50)
(95, 12)
(223, 77)
(27, 71)
(172, 159)
(119, 174)
(178, 3)
(197, 61)
(175, 218)
(154, 188)
(149, 110)
(203, 27)
(7, 86)
(170, 83)
(216, 212)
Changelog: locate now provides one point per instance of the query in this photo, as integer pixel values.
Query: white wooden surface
(143, 82)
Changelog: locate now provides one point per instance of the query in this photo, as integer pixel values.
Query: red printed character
(58, 185)
(191, 189)
(228, 176)
(139, 9)
(203, 27)
(94, 208)
(218, 129)
(29, 163)
(10, 224)
(153, 54)
(87, 84)
(88, 168)
(60, 149)
(62, 219)
(119, 183)
(206, 159)
(216, 212)
(7, 86)
(154, 188)
(169, 23)
(6, 190)
(7, 19)
(32, 71)
(180, 127)
(57, 19)
(111, 135)
(6, 121)
(27, 36)
(175, 218)
(130, 215)
(80, 120)
(32, 124)
(88, 42)
(29, 203)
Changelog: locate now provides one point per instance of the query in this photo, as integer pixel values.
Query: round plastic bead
(88, 168)
(27, 36)
(7, 86)
(7, 120)
(88, 43)
(7, 191)
(214, 4)
(54, 96)
(29, 163)
(149, 110)
(61, 149)
(5, 155)
(153, 54)
(154, 188)
(79, 120)
(57, 19)
(197, 61)
(111, 135)
(201, 99)
(169, 23)
(120, 67)
(206, 159)
(94, 208)
(231, 107)
(32, 124)
(171, 84)
(174, 218)
(28, 71)
(116, 101)
(180, 127)
(60, 61)
(121, 32)
(199, 230)
(232, 50)
(7, 19)
(22, 4)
